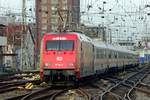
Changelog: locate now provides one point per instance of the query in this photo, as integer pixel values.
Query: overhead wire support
(23, 32)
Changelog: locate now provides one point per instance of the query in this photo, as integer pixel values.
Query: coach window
(109, 54)
(106, 54)
(131, 57)
(112, 54)
(115, 54)
(99, 53)
(52, 45)
(120, 55)
(102, 53)
(96, 53)
(81, 46)
(93, 48)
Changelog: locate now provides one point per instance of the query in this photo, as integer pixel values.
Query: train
(144, 56)
(72, 56)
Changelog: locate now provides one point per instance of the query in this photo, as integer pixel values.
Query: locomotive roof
(118, 48)
(104, 45)
(81, 36)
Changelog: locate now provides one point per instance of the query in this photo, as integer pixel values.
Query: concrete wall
(3, 41)
(4, 20)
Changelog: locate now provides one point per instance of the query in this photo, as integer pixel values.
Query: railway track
(9, 86)
(30, 95)
(123, 88)
(139, 93)
(48, 93)
(84, 93)
(19, 75)
(37, 94)
(52, 93)
(91, 91)
(138, 81)
(106, 88)
(143, 88)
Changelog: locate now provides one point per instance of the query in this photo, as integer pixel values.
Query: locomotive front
(58, 57)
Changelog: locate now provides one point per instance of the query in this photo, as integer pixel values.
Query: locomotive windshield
(60, 45)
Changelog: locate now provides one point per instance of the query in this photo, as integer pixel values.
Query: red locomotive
(73, 56)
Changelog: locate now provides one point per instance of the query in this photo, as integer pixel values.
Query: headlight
(71, 64)
(47, 64)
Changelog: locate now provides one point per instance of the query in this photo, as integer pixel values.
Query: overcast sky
(116, 6)
(126, 16)
(11, 4)
(122, 15)
(15, 6)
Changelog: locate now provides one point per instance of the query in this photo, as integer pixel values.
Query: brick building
(54, 15)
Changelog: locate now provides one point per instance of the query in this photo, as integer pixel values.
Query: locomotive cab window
(60, 45)
(52, 45)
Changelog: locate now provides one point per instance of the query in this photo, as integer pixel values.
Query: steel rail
(35, 93)
(84, 93)
(56, 93)
(128, 94)
(17, 97)
(13, 86)
(120, 83)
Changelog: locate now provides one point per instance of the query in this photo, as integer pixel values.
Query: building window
(44, 1)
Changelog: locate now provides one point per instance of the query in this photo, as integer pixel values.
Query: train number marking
(59, 38)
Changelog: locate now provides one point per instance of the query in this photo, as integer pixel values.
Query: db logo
(59, 58)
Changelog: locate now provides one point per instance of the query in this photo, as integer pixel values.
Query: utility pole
(23, 31)
(60, 18)
(24, 13)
